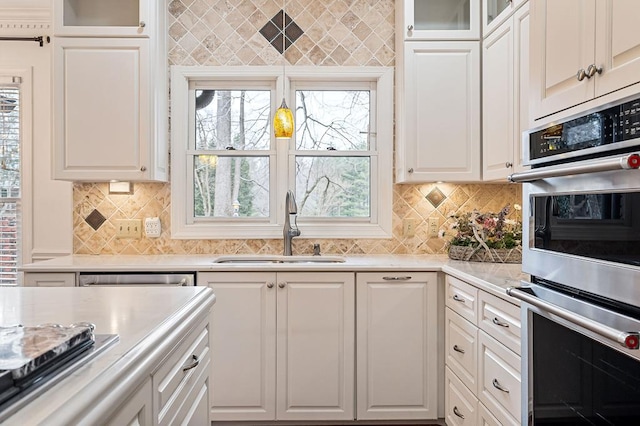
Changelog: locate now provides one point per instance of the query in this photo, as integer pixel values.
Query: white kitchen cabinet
(437, 19)
(397, 346)
(49, 279)
(505, 81)
(109, 94)
(438, 112)
(136, 410)
(581, 50)
(482, 357)
(283, 346)
(461, 402)
(495, 12)
(114, 18)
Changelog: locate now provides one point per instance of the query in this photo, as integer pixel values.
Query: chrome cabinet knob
(508, 164)
(409, 27)
(269, 285)
(281, 285)
(143, 169)
(581, 74)
(592, 70)
(143, 24)
(410, 170)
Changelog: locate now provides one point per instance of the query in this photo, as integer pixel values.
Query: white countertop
(142, 317)
(493, 277)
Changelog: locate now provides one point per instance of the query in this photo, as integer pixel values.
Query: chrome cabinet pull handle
(405, 278)
(496, 321)
(194, 364)
(281, 285)
(269, 285)
(497, 385)
(458, 349)
(581, 74)
(457, 413)
(458, 298)
(592, 70)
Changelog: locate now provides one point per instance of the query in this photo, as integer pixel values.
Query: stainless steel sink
(267, 258)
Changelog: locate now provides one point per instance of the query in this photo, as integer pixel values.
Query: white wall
(47, 204)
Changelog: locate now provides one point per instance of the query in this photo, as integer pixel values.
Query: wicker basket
(479, 254)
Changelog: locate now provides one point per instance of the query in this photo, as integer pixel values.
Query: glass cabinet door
(495, 12)
(450, 19)
(129, 18)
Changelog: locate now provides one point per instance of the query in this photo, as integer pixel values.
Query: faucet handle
(316, 249)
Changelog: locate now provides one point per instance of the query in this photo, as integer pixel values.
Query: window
(230, 175)
(10, 152)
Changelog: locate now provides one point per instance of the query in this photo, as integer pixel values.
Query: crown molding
(25, 19)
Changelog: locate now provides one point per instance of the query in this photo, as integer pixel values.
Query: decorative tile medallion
(435, 197)
(95, 219)
(280, 40)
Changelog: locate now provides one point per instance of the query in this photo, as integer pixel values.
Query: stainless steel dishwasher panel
(136, 279)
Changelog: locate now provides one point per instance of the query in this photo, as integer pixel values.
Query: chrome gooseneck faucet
(290, 229)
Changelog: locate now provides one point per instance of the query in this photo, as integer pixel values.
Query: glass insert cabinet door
(125, 18)
(451, 19)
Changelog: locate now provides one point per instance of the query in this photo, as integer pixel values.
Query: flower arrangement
(487, 236)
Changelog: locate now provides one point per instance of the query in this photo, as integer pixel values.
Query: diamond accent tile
(436, 197)
(272, 31)
(95, 219)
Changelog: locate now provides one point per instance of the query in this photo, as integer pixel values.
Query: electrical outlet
(409, 227)
(152, 227)
(128, 228)
(434, 226)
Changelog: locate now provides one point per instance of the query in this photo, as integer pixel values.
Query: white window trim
(380, 225)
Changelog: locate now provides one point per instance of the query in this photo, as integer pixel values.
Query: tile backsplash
(225, 32)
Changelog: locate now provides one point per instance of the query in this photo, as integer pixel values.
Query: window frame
(378, 225)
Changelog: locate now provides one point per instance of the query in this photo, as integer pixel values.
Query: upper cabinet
(110, 90)
(495, 12)
(113, 18)
(438, 91)
(440, 19)
(581, 50)
(505, 105)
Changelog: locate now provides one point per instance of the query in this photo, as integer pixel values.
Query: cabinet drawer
(463, 299)
(461, 341)
(174, 379)
(499, 379)
(460, 403)
(501, 320)
(485, 418)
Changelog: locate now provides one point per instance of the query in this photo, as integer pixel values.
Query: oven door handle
(625, 162)
(629, 340)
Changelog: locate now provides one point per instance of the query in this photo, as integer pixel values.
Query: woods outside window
(229, 174)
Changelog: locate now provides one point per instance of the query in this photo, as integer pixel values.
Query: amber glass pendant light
(283, 118)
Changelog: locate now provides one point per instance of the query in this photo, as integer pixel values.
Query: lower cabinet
(177, 391)
(282, 346)
(482, 357)
(49, 279)
(397, 373)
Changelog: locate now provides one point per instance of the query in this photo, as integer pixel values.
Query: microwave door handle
(629, 340)
(625, 162)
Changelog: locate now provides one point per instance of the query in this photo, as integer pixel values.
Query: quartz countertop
(142, 317)
(492, 277)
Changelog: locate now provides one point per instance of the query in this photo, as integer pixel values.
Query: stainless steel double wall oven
(581, 246)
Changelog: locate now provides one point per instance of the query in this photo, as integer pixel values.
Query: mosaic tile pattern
(332, 32)
(154, 199)
(226, 32)
(272, 31)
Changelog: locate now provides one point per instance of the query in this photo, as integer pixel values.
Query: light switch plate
(128, 228)
(152, 228)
